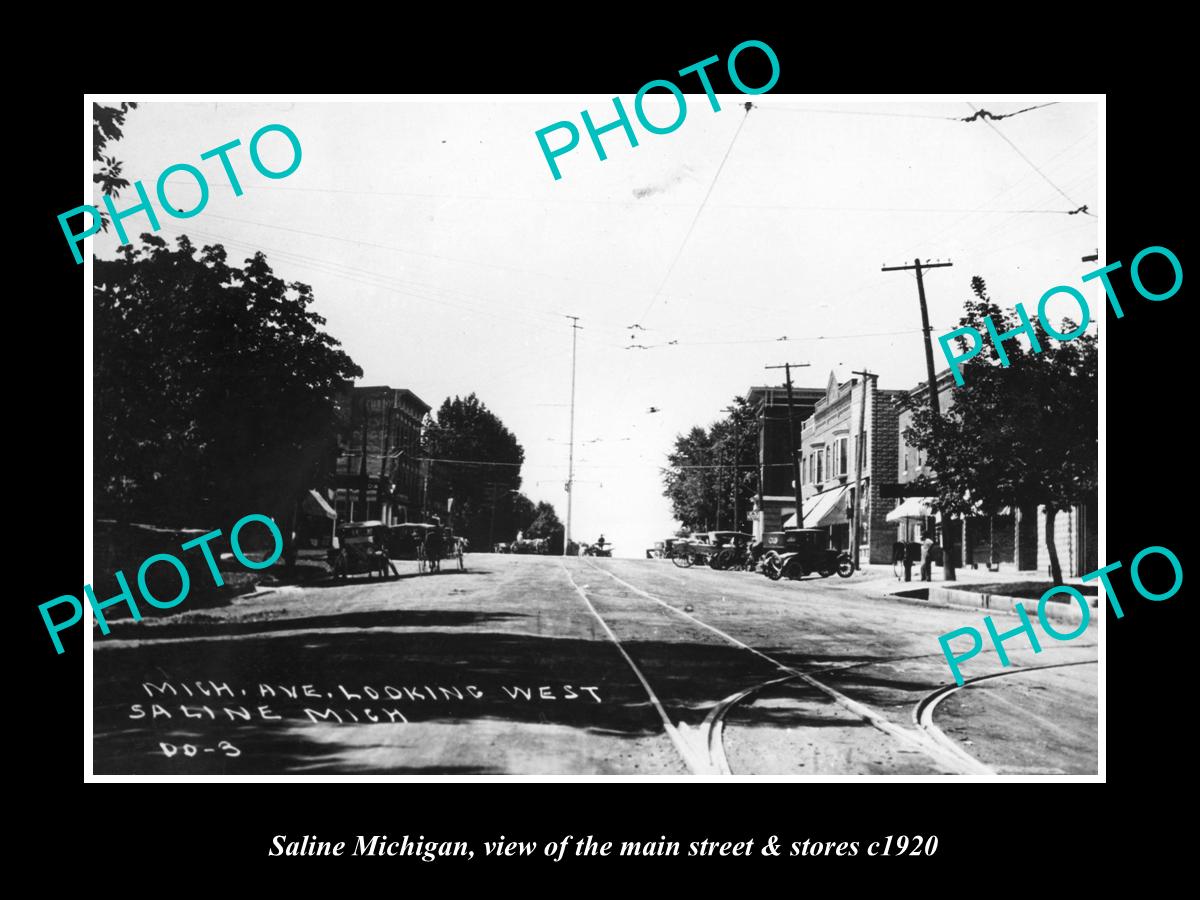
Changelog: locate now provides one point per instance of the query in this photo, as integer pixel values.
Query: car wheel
(845, 568)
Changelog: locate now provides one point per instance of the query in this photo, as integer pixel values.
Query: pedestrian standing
(926, 557)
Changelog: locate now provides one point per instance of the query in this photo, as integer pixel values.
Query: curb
(1063, 612)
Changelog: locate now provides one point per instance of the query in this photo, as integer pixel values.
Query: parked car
(360, 547)
(797, 552)
(404, 541)
(656, 552)
(731, 549)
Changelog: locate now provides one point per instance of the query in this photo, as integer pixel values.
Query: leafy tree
(1019, 436)
(475, 458)
(709, 466)
(215, 386)
(107, 125)
(546, 524)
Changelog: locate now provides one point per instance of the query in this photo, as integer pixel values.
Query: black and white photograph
(706, 432)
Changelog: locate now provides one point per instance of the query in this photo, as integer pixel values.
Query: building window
(829, 460)
(841, 455)
(819, 453)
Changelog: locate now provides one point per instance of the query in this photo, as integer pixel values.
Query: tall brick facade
(829, 444)
(389, 421)
(885, 447)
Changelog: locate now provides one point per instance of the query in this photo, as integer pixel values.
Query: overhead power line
(696, 218)
(985, 115)
(1033, 165)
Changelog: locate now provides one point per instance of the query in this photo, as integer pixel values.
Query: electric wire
(696, 218)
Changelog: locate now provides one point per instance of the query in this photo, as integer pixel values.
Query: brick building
(1014, 538)
(829, 447)
(378, 475)
(776, 499)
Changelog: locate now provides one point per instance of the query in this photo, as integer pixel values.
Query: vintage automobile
(657, 551)
(404, 541)
(693, 550)
(797, 552)
(731, 549)
(360, 547)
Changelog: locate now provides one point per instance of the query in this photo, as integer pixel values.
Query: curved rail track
(708, 746)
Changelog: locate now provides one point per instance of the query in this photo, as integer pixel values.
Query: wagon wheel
(681, 557)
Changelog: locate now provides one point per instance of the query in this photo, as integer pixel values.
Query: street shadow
(408, 618)
(444, 697)
(330, 581)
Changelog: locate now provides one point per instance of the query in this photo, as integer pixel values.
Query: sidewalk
(965, 575)
(940, 592)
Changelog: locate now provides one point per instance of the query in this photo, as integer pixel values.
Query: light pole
(795, 451)
(571, 451)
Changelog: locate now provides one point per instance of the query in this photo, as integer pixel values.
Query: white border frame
(88, 193)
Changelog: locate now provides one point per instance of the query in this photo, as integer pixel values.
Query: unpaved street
(547, 666)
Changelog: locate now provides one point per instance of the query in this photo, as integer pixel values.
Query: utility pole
(571, 451)
(947, 558)
(860, 453)
(787, 368)
(362, 469)
(492, 525)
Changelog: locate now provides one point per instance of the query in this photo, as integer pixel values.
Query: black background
(989, 833)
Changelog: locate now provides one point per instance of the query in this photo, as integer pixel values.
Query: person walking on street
(433, 546)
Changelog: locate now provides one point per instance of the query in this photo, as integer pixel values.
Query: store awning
(314, 504)
(911, 508)
(821, 510)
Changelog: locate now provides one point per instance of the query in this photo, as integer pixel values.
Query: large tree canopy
(107, 125)
(477, 462)
(214, 386)
(707, 467)
(1020, 435)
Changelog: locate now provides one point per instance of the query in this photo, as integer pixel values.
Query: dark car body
(360, 548)
(796, 552)
(403, 541)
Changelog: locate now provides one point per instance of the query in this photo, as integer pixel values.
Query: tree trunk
(1051, 549)
(991, 542)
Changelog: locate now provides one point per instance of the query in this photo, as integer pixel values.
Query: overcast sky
(445, 256)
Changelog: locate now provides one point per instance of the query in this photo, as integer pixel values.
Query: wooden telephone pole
(918, 266)
(787, 368)
(861, 454)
